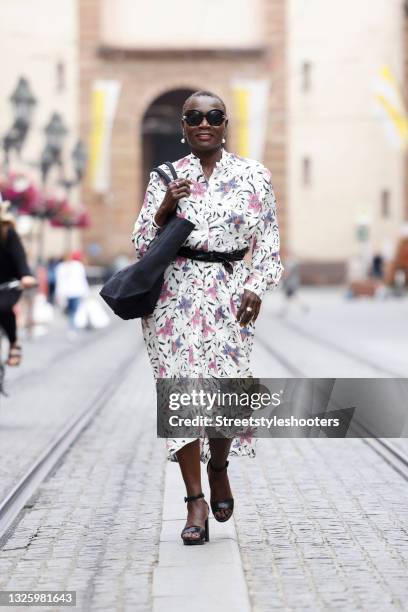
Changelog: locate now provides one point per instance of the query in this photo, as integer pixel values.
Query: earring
(223, 141)
(183, 140)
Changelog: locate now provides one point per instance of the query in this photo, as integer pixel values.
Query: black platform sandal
(222, 504)
(15, 354)
(203, 531)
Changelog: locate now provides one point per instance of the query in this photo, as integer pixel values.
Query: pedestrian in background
(291, 284)
(71, 286)
(51, 277)
(13, 265)
(203, 323)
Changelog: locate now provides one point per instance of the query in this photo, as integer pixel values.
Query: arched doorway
(161, 131)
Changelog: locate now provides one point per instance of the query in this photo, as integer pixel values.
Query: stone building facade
(345, 172)
(148, 73)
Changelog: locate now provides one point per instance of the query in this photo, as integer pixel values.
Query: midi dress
(193, 331)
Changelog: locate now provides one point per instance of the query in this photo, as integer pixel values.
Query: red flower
(20, 190)
(67, 216)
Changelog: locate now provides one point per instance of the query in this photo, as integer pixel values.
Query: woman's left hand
(249, 308)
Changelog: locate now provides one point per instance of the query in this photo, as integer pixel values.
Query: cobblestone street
(319, 524)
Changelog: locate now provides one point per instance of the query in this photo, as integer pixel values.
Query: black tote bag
(133, 292)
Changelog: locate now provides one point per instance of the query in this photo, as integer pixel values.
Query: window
(385, 203)
(306, 170)
(306, 76)
(196, 24)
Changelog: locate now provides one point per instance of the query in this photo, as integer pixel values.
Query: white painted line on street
(207, 577)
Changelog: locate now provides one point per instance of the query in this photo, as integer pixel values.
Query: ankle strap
(214, 469)
(193, 497)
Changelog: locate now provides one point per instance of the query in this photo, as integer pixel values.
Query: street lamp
(55, 132)
(23, 103)
(79, 159)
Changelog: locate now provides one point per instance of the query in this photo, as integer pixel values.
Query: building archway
(161, 131)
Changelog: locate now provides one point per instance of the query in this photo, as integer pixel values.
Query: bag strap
(164, 174)
(166, 177)
(172, 169)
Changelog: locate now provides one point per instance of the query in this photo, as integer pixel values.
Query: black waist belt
(213, 256)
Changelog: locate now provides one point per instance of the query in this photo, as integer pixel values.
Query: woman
(13, 265)
(203, 323)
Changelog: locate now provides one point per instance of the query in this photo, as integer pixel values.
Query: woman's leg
(73, 304)
(8, 323)
(219, 448)
(219, 482)
(189, 460)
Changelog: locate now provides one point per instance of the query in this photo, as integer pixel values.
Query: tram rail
(395, 456)
(13, 504)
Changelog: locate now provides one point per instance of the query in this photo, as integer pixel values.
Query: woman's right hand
(28, 282)
(180, 188)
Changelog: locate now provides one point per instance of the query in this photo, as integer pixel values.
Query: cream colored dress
(193, 331)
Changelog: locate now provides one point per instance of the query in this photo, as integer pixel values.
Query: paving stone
(353, 563)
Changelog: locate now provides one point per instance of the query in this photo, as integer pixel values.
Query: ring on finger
(248, 309)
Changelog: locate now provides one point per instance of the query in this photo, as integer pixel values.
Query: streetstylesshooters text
(253, 401)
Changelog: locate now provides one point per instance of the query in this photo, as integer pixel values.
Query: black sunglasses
(195, 117)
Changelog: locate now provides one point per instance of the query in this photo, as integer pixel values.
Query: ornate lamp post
(23, 103)
(68, 218)
(64, 216)
(55, 132)
(44, 206)
(79, 160)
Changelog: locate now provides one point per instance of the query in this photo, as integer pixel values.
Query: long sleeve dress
(193, 331)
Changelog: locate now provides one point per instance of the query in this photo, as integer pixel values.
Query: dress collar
(223, 161)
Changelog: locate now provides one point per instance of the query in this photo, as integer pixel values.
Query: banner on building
(105, 96)
(391, 108)
(250, 97)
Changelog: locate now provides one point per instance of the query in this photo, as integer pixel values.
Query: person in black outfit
(13, 265)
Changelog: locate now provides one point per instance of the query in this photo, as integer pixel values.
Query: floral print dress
(193, 331)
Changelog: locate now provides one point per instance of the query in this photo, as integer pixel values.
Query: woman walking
(203, 323)
(71, 286)
(13, 265)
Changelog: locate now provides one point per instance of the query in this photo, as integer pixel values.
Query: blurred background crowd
(90, 99)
